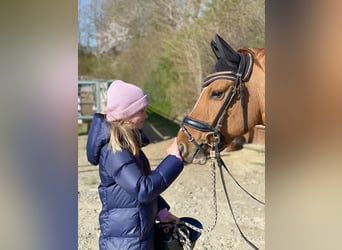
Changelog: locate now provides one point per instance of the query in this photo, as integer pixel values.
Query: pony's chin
(200, 160)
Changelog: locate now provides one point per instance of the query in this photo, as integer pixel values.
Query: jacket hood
(98, 136)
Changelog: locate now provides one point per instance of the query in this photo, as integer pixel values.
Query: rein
(215, 155)
(239, 78)
(221, 163)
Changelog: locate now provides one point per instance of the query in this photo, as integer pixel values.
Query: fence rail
(92, 95)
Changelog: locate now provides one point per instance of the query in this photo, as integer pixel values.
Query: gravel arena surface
(191, 196)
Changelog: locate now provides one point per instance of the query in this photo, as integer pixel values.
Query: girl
(129, 190)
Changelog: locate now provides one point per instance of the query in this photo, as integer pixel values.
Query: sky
(86, 26)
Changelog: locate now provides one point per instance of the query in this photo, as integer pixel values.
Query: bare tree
(138, 33)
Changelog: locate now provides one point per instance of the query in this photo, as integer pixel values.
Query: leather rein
(240, 77)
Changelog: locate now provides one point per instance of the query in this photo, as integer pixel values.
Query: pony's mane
(256, 52)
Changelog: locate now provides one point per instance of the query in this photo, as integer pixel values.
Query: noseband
(240, 77)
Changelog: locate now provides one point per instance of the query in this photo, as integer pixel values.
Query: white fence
(92, 96)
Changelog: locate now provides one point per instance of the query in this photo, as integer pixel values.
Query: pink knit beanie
(124, 100)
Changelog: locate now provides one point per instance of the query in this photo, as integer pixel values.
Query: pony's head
(216, 117)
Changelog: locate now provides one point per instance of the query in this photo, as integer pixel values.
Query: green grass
(83, 128)
(162, 122)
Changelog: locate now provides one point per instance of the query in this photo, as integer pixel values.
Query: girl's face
(139, 118)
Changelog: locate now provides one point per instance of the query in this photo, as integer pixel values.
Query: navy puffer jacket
(129, 190)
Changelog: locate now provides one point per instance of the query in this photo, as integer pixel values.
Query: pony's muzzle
(184, 151)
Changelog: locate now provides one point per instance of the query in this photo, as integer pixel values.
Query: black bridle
(240, 77)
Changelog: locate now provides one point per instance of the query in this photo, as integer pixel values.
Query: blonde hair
(124, 135)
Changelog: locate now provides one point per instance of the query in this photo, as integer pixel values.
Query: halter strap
(229, 75)
(197, 124)
(248, 61)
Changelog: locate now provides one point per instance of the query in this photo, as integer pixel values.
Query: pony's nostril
(181, 148)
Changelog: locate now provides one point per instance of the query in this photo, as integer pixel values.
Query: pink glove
(162, 214)
(165, 216)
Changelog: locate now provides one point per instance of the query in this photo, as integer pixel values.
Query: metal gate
(92, 96)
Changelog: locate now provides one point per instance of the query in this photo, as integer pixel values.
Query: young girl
(129, 190)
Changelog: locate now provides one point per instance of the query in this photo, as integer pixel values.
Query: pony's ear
(215, 49)
(225, 50)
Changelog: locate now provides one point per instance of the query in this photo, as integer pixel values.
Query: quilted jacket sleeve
(123, 167)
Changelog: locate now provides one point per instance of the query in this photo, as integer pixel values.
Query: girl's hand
(169, 218)
(174, 150)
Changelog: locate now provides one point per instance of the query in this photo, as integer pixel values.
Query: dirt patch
(190, 195)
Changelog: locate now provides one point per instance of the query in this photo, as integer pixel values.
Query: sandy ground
(190, 195)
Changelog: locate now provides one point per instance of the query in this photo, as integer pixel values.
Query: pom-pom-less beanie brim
(124, 100)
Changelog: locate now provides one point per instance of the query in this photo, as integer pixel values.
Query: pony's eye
(217, 94)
